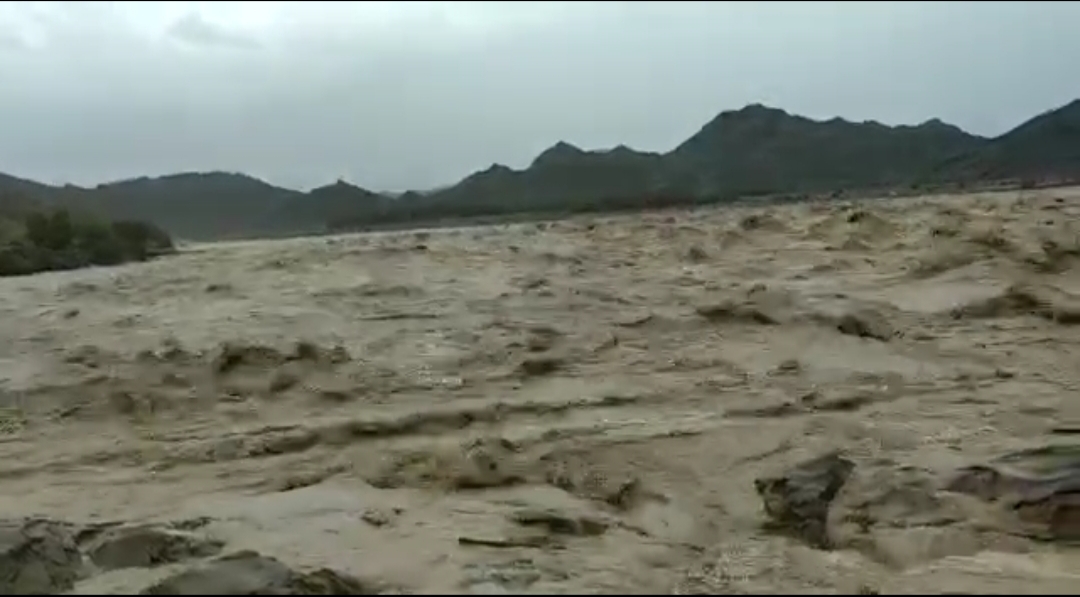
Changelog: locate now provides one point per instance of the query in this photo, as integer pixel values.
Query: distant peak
(755, 110)
(558, 152)
(497, 168)
(340, 186)
(190, 177)
(564, 147)
(213, 174)
(749, 114)
(936, 124)
(493, 172)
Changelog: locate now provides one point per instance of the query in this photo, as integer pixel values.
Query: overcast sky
(419, 94)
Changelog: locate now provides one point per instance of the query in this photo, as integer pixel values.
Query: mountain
(1047, 147)
(209, 205)
(561, 175)
(765, 150)
(19, 196)
(199, 205)
(312, 210)
(751, 151)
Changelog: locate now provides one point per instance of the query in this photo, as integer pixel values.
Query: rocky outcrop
(38, 557)
(47, 557)
(901, 515)
(250, 573)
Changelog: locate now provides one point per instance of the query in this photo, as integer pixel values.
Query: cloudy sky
(419, 94)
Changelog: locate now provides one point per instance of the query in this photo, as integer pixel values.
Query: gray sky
(420, 94)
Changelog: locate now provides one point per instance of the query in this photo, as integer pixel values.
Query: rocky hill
(765, 150)
(1046, 147)
(752, 151)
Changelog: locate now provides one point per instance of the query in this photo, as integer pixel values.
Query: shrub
(55, 241)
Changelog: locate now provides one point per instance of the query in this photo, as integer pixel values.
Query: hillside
(765, 150)
(200, 205)
(751, 151)
(1046, 147)
(312, 210)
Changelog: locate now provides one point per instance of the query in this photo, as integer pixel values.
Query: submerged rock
(250, 573)
(797, 501)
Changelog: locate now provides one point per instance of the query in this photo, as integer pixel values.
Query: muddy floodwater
(872, 397)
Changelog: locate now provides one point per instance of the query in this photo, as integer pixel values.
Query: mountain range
(756, 150)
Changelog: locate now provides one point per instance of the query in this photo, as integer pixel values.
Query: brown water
(630, 371)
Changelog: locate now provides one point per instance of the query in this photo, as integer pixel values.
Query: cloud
(11, 40)
(418, 94)
(196, 30)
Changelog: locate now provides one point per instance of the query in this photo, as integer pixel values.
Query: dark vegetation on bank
(37, 240)
(756, 151)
